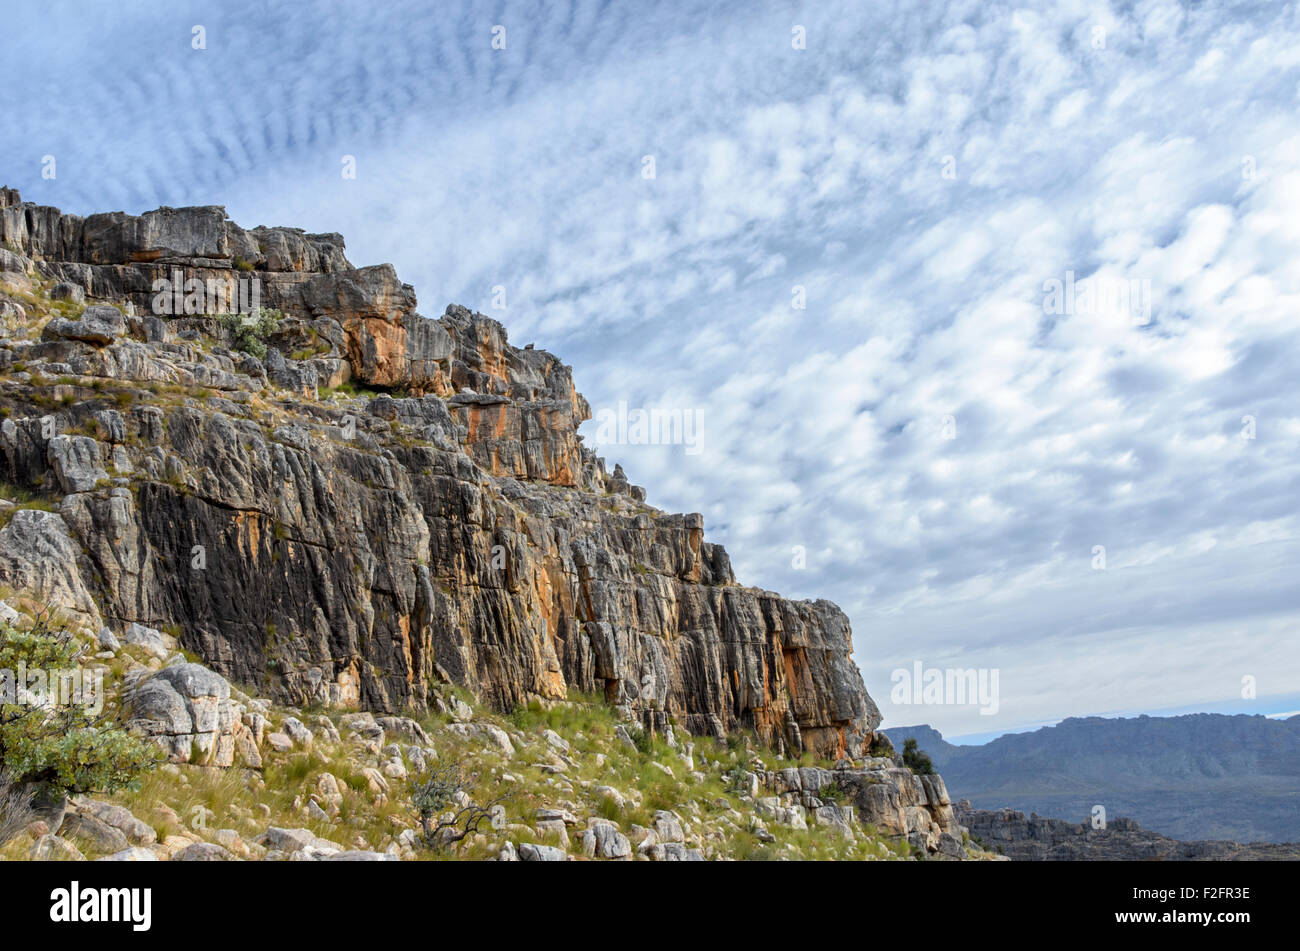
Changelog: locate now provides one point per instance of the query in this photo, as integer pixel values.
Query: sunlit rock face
(351, 549)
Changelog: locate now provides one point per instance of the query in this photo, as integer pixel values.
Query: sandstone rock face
(38, 555)
(189, 235)
(355, 551)
(76, 463)
(188, 710)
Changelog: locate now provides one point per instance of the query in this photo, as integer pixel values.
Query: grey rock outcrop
(357, 551)
(882, 794)
(188, 710)
(39, 555)
(76, 462)
(98, 325)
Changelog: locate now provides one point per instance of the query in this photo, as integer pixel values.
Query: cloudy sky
(841, 259)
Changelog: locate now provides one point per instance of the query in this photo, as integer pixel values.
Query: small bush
(880, 746)
(608, 808)
(642, 740)
(916, 760)
(833, 794)
(738, 781)
(63, 746)
(249, 332)
(441, 800)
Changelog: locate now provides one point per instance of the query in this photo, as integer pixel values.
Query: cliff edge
(333, 499)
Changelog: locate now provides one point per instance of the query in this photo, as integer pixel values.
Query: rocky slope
(558, 780)
(379, 510)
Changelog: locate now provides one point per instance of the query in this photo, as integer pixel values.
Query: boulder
(603, 840)
(133, 854)
(297, 731)
(99, 324)
(673, 852)
(96, 835)
(154, 642)
(52, 848)
(529, 852)
(203, 852)
(295, 840)
(404, 727)
(65, 290)
(488, 732)
(356, 855)
(668, 827)
(118, 817)
(187, 709)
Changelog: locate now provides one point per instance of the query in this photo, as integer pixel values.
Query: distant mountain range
(1201, 776)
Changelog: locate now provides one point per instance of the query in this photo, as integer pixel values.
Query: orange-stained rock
(452, 527)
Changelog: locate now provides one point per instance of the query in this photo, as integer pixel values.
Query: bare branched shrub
(443, 801)
(15, 808)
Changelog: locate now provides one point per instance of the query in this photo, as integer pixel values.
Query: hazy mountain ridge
(1197, 776)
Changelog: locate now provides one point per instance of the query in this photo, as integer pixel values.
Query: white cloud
(1168, 156)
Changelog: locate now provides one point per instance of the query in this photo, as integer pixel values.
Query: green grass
(347, 390)
(581, 712)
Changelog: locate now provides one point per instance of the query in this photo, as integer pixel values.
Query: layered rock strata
(445, 525)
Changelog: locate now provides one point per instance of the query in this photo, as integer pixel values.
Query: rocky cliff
(381, 503)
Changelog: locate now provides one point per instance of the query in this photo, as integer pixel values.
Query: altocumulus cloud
(947, 453)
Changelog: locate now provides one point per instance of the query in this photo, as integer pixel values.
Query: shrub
(61, 746)
(249, 332)
(15, 808)
(643, 740)
(608, 808)
(738, 781)
(833, 794)
(880, 746)
(443, 804)
(916, 760)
